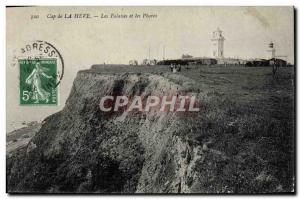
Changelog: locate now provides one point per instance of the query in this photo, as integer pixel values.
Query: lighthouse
(272, 49)
(218, 44)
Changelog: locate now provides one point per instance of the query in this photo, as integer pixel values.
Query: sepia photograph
(150, 100)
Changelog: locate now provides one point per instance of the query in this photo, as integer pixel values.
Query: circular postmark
(37, 50)
(41, 69)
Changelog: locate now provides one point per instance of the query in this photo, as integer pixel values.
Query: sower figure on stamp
(35, 80)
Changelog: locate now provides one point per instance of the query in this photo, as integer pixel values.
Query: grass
(249, 117)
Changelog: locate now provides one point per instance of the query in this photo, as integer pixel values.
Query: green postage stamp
(38, 82)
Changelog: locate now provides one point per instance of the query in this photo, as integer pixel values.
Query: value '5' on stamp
(38, 81)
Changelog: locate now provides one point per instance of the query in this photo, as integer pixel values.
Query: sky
(178, 30)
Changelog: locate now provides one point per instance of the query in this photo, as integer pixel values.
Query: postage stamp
(38, 80)
(41, 69)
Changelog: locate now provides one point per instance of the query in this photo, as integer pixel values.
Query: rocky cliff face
(82, 149)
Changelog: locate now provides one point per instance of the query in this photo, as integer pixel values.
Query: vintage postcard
(150, 100)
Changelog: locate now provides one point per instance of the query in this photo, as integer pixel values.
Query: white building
(218, 44)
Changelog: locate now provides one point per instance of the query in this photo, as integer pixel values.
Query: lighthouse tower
(272, 49)
(218, 44)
